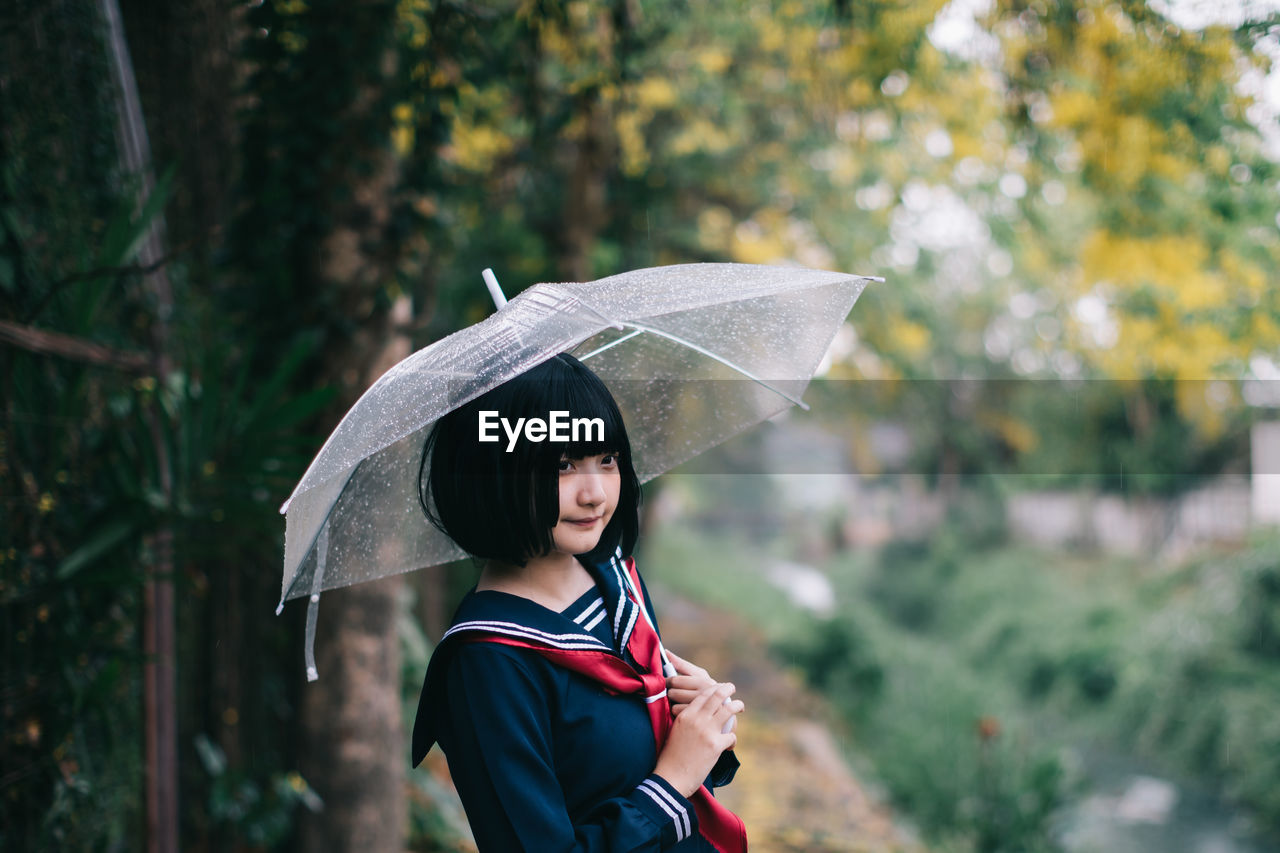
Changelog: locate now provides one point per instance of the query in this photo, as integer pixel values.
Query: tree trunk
(585, 208)
(353, 750)
(354, 754)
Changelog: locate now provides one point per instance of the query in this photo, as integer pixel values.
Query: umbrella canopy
(692, 353)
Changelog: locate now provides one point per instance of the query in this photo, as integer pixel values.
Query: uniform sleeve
(501, 760)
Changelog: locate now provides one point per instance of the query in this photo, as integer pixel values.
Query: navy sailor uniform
(549, 723)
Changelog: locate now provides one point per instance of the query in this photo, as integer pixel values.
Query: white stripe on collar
(514, 629)
(590, 609)
(596, 621)
(619, 567)
(631, 624)
(623, 601)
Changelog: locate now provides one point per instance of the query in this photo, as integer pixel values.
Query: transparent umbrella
(693, 353)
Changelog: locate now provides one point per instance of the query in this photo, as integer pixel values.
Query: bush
(836, 657)
(1260, 619)
(907, 582)
(960, 761)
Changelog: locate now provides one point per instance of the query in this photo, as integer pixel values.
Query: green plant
(258, 811)
(1260, 605)
(910, 578)
(836, 657)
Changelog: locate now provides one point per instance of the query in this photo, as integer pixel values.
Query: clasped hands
(690, 680)
(704, 712)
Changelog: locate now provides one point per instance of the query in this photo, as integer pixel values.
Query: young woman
(547, 694)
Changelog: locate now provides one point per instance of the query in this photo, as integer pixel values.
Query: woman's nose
(590, 488)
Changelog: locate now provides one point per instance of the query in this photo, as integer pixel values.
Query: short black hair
(502, 505)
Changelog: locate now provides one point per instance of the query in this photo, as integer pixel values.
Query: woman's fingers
(710, 700)
(727, 708)
(684, 667)
(681, 689)
(682, 698)
(734, 706)
(691, 683)
(689, 679)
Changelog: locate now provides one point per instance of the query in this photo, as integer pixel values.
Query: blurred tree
(1148, 217)
(1122, 113)
(339, 150)
(1079, 195)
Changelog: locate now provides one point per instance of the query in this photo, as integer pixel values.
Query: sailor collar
(489, 612)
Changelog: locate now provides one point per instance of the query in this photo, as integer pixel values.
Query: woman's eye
(566, 465)
(609, 459)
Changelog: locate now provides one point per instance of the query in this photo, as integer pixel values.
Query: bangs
(596, 423)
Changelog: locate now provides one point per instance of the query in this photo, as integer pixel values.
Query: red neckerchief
(722, 828)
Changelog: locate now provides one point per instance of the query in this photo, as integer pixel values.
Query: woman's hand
(697, 738)
(689, 680)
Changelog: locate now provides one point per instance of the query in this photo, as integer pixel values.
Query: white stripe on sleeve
(669, 805)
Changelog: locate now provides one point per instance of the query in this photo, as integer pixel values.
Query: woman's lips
(584, 522)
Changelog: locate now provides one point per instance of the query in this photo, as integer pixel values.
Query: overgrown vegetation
(969, 675)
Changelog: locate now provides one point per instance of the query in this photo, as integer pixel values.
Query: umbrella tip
(495, 291)
(279, 608)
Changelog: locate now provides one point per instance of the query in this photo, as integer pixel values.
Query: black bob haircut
(502, 505)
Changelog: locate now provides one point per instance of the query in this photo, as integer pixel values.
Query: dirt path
(794, 791)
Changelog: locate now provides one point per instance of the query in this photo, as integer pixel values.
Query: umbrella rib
(709, 354)
(611, 344)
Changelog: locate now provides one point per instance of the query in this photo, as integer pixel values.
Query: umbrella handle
(495, 291)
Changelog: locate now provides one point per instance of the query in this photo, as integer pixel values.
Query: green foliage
(1130, 437)
(1178, 664)
(910, 578)
(1198, 689)
(1134, 437)
(836, 658)
(58, 134)
(906, 585)
(1142, 123)
(258, 812)
(1260, 603)
(964, 711)
(75, 510)
(81, 451)
(947, 739)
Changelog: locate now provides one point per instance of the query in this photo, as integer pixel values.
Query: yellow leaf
(713, 61)
(655, 93)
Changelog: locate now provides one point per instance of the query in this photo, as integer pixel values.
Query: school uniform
(551, 724)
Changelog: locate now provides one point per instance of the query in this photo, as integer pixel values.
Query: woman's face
(589, 489)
